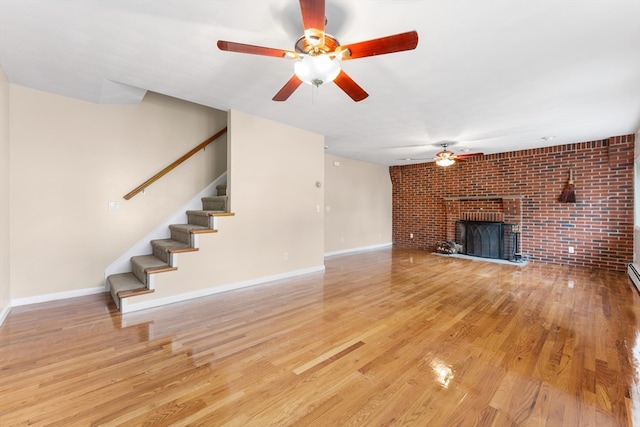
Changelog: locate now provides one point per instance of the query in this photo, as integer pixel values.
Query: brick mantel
(462, 198)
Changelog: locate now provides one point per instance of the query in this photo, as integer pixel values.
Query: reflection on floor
(520, 263)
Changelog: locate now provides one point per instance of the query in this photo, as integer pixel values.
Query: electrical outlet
(571, 249)
(411, 235)
(285, 257)
(570, 284)
(114, 206)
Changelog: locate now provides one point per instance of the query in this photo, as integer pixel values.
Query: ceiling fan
(444, 157)
(319, 55)
(447, 158)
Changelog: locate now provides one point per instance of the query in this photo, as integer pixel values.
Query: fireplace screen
(486, 239)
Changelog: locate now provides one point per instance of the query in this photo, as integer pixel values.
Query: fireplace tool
(515, 230)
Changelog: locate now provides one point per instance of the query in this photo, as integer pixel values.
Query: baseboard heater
(634, 274)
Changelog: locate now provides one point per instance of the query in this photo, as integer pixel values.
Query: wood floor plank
(383, 337)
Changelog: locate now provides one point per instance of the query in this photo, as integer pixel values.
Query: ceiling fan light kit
(319, 55)
(447, 158)
(316, 70)
(445, 161)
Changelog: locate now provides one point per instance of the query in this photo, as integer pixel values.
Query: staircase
(164, 251)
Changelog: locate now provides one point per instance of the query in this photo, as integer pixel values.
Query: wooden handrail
(173, 165)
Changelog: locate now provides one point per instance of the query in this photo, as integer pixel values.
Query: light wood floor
(387, 337)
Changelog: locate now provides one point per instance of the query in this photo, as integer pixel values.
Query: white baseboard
(633, 270)
(57, 296)
(128, 307)
(4, 313)
(360, 249)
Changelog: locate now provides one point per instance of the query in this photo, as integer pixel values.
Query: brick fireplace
(491, 219)
(482, 208)
(524, 186)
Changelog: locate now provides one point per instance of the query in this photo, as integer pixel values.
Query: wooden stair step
(187, 228)
(183, 232)
(210, 213)
(215, 203)
(148, 264)
(202, 218)
(134, 292)
(171, 245)
(124, 285)
(204, 231)
(204, 213)
(163, 248)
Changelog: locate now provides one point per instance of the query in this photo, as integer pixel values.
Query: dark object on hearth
(515, 231)
(449, 247)
(569, 193)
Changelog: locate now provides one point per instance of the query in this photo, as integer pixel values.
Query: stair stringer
(123, 263)
(194, 280)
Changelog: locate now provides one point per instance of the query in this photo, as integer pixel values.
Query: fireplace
(486, 239)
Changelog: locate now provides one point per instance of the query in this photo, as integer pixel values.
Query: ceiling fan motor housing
(304, 46)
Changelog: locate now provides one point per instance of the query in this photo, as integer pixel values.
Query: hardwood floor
(387, 337)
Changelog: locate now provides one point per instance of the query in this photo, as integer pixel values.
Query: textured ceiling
(487, 76)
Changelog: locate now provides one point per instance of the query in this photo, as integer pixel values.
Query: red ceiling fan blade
(381, 46)
(350, 87)
(255, 50)
(312, 14)
(288, 89)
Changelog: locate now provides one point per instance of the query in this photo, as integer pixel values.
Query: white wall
(69, 158)
(5, 224)
(358, 201)
(273, 171)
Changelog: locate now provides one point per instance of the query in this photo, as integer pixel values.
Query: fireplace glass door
(482, 238)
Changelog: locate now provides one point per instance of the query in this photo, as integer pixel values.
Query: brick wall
(599, 225)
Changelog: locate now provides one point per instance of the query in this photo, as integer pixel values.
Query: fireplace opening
(486, 239)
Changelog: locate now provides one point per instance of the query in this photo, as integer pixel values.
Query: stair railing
(173, 165)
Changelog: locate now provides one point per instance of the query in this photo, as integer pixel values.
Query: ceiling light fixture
(445, 161)
(317, 69)
(445, 157)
